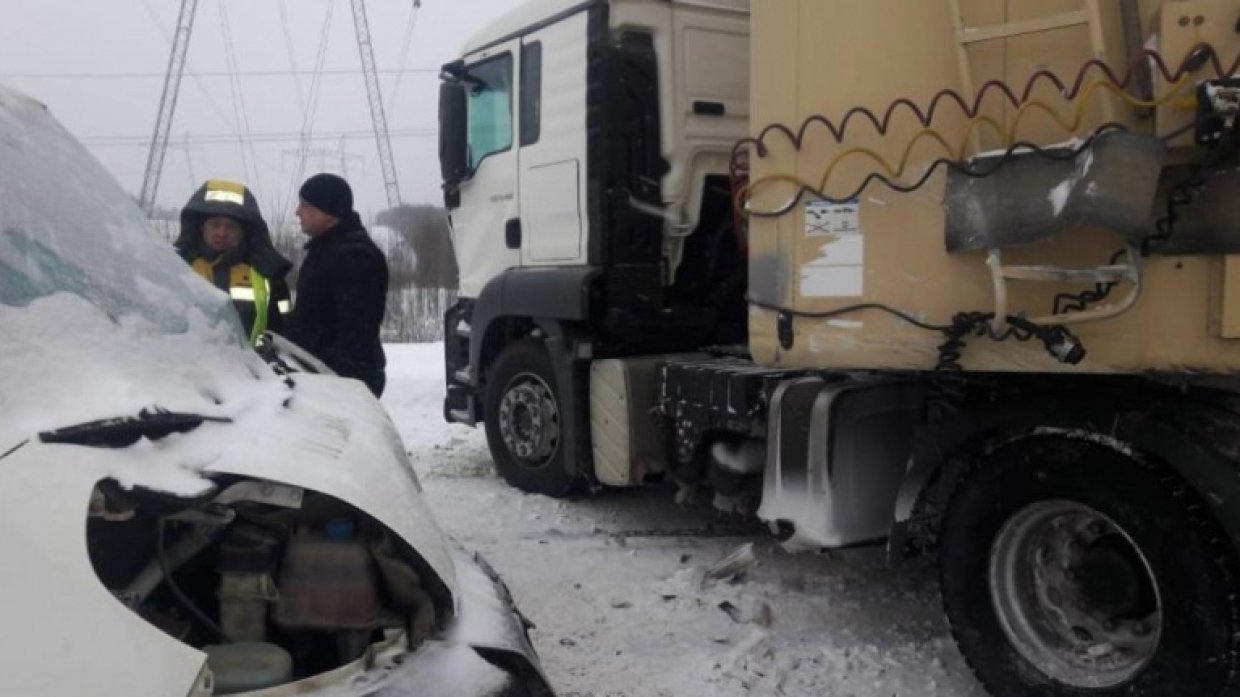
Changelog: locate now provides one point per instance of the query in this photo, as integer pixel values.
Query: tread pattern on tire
(1225, 558)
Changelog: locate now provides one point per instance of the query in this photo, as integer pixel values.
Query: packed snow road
(616, 582)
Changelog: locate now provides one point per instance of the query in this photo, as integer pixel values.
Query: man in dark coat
(342, 285)
(226, 241)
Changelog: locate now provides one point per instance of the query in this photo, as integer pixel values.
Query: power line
(273, 137)
(404, 52)
(230, 56)
(210, 74)
(292, 57)
(312, 105)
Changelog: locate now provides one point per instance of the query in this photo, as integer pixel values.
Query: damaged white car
(182, 519)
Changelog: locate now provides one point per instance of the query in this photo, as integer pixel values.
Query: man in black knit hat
(342, 285)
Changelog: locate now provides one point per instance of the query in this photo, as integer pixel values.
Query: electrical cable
(1201, 51)
(1183, 193)
(404, 52)
(176, 589)
(850, 309)
(308, 115)
(947, 382)
(272, 137)
(248, 156)
(970, 170)
(292, 56)
(340, 72)
(1006, 136)
(1079, 302)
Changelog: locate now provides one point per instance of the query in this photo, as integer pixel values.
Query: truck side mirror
(453, 126)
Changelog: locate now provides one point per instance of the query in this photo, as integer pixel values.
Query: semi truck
(959, 275)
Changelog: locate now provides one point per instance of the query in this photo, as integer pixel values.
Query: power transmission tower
(376, 102)
(167, 105)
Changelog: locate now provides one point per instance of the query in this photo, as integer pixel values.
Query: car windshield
(67, 227)
(98, 316)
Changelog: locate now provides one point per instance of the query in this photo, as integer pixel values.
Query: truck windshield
(490, 108)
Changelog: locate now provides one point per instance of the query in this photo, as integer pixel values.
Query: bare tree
(422, 271)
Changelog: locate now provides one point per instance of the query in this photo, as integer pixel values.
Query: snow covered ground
(614, 583)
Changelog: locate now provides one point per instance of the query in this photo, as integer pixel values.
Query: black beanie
(328, 193)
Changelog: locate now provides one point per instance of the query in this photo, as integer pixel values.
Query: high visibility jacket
(261, 303)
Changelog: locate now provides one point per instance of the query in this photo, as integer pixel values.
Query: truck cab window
(490, 108)
(531, 92)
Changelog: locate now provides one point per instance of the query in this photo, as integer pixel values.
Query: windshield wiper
(124, 431)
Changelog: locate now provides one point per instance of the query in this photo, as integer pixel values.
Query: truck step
(464, 376)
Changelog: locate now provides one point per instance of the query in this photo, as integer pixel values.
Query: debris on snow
(759, 614)
(843, 624)
(732, 611)
(730, 567)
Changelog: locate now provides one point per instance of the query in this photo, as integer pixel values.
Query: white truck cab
(560, 96)
(584, 151)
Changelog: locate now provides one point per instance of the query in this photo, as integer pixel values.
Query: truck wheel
(523, 422)
(1070, 569)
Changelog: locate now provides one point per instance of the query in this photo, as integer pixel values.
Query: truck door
(552, 143)
(486, 225)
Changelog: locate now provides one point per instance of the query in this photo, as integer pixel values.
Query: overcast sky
(99, 66)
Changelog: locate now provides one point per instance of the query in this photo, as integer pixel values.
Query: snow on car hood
(99, 319)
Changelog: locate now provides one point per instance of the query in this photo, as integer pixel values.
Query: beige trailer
(1000, 331)
(815, 58)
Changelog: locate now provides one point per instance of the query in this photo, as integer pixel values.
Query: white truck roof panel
(533, 12)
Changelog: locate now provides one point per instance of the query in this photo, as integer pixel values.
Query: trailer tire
(1069, 568)
(523, 424)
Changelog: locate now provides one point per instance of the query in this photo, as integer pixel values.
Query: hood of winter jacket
(218, 197)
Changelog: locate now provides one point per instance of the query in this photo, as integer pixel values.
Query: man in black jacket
(342, 285)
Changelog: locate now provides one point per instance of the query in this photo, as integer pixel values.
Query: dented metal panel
(1109, 184)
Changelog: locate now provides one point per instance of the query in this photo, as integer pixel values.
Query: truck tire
(523, 424)
(1071, 569)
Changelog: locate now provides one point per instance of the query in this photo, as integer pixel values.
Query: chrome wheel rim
(1075, 595)
(529, 420)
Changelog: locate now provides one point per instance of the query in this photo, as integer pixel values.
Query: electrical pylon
(382, 140)
(167, 106)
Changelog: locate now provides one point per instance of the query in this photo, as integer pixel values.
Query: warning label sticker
(838, 271)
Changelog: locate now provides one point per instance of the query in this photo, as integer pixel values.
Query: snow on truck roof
(533, 12)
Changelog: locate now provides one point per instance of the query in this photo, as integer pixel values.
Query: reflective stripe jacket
(261, 303)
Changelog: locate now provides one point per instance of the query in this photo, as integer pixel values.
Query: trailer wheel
(523, 423)
(1070, 569)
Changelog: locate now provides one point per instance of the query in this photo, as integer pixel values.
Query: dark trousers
(376, 382)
